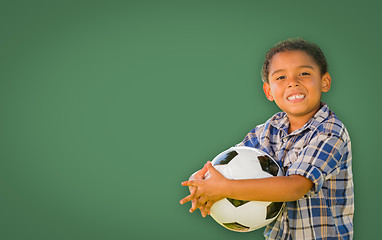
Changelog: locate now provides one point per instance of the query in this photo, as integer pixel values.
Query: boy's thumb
(211, 168)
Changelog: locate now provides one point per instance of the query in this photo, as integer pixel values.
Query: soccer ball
(245, 163)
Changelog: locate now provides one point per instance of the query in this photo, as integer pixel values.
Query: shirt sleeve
(252, 138)
(319, 160)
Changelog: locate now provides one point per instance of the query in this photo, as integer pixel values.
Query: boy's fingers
(193, 205)
(186, 199)
(202, 172)
(211, 168)
(201, 202)
(209, 206)
(205, 209)
(194, 183)
(194, 196)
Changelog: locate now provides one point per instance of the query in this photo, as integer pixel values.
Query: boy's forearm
(273, 189)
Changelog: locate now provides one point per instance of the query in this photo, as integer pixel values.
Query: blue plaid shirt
(321, 152)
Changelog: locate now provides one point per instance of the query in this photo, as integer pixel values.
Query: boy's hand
(199, 175)
(208, 191)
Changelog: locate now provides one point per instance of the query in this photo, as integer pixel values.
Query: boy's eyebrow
(303, 66)
(306, 66)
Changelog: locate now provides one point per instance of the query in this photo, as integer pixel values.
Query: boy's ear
(267, 91)
(326, 82)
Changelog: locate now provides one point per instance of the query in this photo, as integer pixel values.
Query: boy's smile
(298, 97)
(295, 84)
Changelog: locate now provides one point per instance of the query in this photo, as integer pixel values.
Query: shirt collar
(281, 121)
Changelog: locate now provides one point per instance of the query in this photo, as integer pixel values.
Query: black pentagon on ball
(236, 226)
(223, 159)
(273, 209)
(268, 165)
(236, 203)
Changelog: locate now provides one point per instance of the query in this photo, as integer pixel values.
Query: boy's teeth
(293, 97)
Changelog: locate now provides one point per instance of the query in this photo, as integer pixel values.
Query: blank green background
(106, 106)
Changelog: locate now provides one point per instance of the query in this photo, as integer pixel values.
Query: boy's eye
(280, 78)
(304, 74)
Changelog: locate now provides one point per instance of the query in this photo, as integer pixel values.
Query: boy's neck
(297, 123)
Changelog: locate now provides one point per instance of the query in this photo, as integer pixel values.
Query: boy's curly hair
(295, 44)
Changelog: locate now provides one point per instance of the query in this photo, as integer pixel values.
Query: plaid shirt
(321, 152)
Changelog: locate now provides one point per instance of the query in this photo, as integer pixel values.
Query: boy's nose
(293, 82)
(296, 84)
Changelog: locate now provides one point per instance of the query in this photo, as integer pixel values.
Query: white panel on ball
(245, 163)
(223, 211)
(252, 214)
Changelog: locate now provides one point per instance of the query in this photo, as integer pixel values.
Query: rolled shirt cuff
(309, 171)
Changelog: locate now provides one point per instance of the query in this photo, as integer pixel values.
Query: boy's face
(296, 83)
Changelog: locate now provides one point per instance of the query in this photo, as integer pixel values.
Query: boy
(308, 141)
